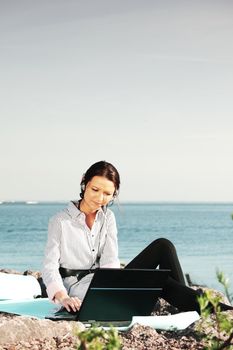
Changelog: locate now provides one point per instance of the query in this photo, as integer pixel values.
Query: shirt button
(93, 250)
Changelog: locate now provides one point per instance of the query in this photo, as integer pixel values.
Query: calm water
(202, 234)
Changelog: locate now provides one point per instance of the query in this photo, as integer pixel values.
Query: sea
(201, 232)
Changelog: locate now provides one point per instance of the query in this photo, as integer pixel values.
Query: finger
(78, 300)
(79, 303)
(76, 303)
(77, 306)
(66, 304)
(73, 304)
(68, 307)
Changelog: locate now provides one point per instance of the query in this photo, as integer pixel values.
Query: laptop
(114, 296)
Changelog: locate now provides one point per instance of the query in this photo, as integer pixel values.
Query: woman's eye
(94, 189)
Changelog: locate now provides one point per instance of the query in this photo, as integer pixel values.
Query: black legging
(162, 253)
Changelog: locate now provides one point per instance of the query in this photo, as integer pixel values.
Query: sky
(144, 84)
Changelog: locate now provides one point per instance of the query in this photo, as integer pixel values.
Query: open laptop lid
(120, 294)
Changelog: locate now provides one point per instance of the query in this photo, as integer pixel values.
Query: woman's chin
(94, 207)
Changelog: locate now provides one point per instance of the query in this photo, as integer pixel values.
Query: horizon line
(34, 202)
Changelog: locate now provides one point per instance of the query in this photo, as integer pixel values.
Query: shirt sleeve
(50, 271)
(109, 257)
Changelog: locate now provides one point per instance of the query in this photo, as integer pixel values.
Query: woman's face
(98, 192)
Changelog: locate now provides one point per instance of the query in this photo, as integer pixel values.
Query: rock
(18, 328)
(11, 271)
(36, 274)
(141, 338)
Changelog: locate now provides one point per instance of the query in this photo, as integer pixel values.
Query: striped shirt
(73, 245)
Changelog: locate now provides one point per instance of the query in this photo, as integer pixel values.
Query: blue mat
(38, 308)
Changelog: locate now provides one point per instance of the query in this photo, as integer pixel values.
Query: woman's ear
(82, 186)
(115, 194)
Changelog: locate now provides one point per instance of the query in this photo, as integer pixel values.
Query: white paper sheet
(168, 323)
(16, 287)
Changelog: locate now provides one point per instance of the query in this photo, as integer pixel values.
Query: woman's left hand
(71, 303)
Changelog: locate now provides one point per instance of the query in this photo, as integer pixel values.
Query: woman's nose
(100, 197)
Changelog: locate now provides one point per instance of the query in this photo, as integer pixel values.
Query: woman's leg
(162, 253)
(182, 297)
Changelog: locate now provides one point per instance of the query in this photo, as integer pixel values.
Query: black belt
(64, 272)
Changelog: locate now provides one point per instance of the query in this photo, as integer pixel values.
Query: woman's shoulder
(109, 214)
(108, 211)
(60, 215)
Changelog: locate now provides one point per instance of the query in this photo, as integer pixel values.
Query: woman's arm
(50, 272)
(51, 276)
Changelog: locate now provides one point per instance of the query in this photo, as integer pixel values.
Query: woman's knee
(163, 243)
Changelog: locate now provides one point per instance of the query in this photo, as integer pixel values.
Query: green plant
(218, 325)
(96, 338)
(225, 283)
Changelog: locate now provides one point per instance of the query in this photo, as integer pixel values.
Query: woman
(83, 237)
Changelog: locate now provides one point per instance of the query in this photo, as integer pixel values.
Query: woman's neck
(90, 216)
(84, 208)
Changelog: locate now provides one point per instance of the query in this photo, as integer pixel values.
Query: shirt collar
(75, 212)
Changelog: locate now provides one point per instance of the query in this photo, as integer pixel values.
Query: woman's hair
(104, 169)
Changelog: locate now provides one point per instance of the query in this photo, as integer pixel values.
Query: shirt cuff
(53, 288)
